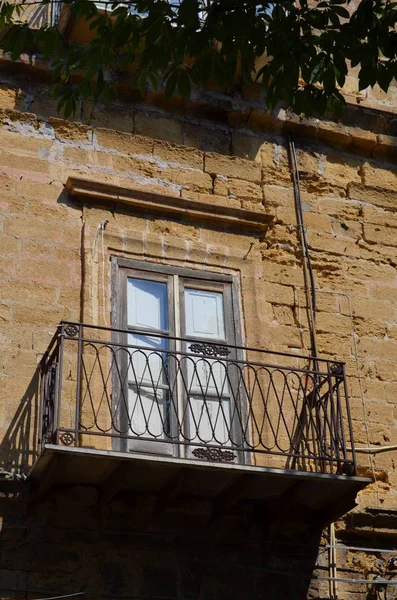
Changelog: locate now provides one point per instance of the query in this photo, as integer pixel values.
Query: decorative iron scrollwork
(71, 330)
(209, 349)
(214, 454)
(336, 368)
(66, 438)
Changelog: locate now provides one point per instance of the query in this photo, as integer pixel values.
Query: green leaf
(341, 11)
(329, 78)
(385, 75)
(171, 84)
(317, 71)
(153, 80)
(184, 84)
(366, 77)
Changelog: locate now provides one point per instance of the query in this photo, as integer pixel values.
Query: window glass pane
(147, 413)
(147, 304)
(209, 420)
(204, 314)
(147, 364)
(207, 375)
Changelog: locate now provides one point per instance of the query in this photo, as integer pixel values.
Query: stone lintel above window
(204, 209)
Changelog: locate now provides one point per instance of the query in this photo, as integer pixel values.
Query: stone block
(136, 166)
(284, 335)
(79, 156)
(43, 271)
(370, 327)
(365, 270)
(103, 159)
(384, 350)
(391, 395)
(340, 208)
(28, 293)
(124, 142)
(338, 346)
(352, 230)
(27, 358)
(11, 203)
(309, 163)
(238, 189)
(333, 323)
(332, 244)
(376, 194)
(190, 179)
(71, 131)
(275, 195)
(40, 191)
(279, 294)
(342, 169)
(284, 315)
(373, 309)
(379, 176)
(379, 216)
(8, 96)
(25, 144)
(232, 166)
(8, 245)
(386, 370)
(29, 163)
(377, 234)
(276, 174)
(54, 211)
(372, 389)
(207, 138)
(252, 147)
(24, 227)
(5, 313)
(48, 316)
(158, 127)
(178, 155)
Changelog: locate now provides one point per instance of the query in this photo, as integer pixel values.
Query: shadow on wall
(131, 548)
(70, 539)
(18, 448)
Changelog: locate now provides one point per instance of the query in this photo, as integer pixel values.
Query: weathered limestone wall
(55, 267)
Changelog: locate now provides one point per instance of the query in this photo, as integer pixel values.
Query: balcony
(184, 418)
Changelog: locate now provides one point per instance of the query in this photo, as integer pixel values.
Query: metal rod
(78, 388)
(208, 356)
(196, 340)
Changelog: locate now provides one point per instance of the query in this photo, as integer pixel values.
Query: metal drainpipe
(311, 300)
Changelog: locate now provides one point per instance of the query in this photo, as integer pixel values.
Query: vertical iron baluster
(58, 386)
(349, 421)
(314, 417)
(43, 366)
(78, 387)
(334, 435)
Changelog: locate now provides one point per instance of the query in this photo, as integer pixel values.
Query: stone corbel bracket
(227, 214)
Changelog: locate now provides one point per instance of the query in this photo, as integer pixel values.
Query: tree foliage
(180, 44)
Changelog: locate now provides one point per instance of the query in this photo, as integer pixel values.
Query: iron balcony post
(336, 445)
(78, 386)
(42, 399)
(349, 421)
(58, 385)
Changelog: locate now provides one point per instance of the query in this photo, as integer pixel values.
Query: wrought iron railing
(135, 391)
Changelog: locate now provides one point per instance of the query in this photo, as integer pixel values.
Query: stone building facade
(200, 191)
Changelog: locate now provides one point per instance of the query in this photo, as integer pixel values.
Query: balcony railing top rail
(139, 391)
